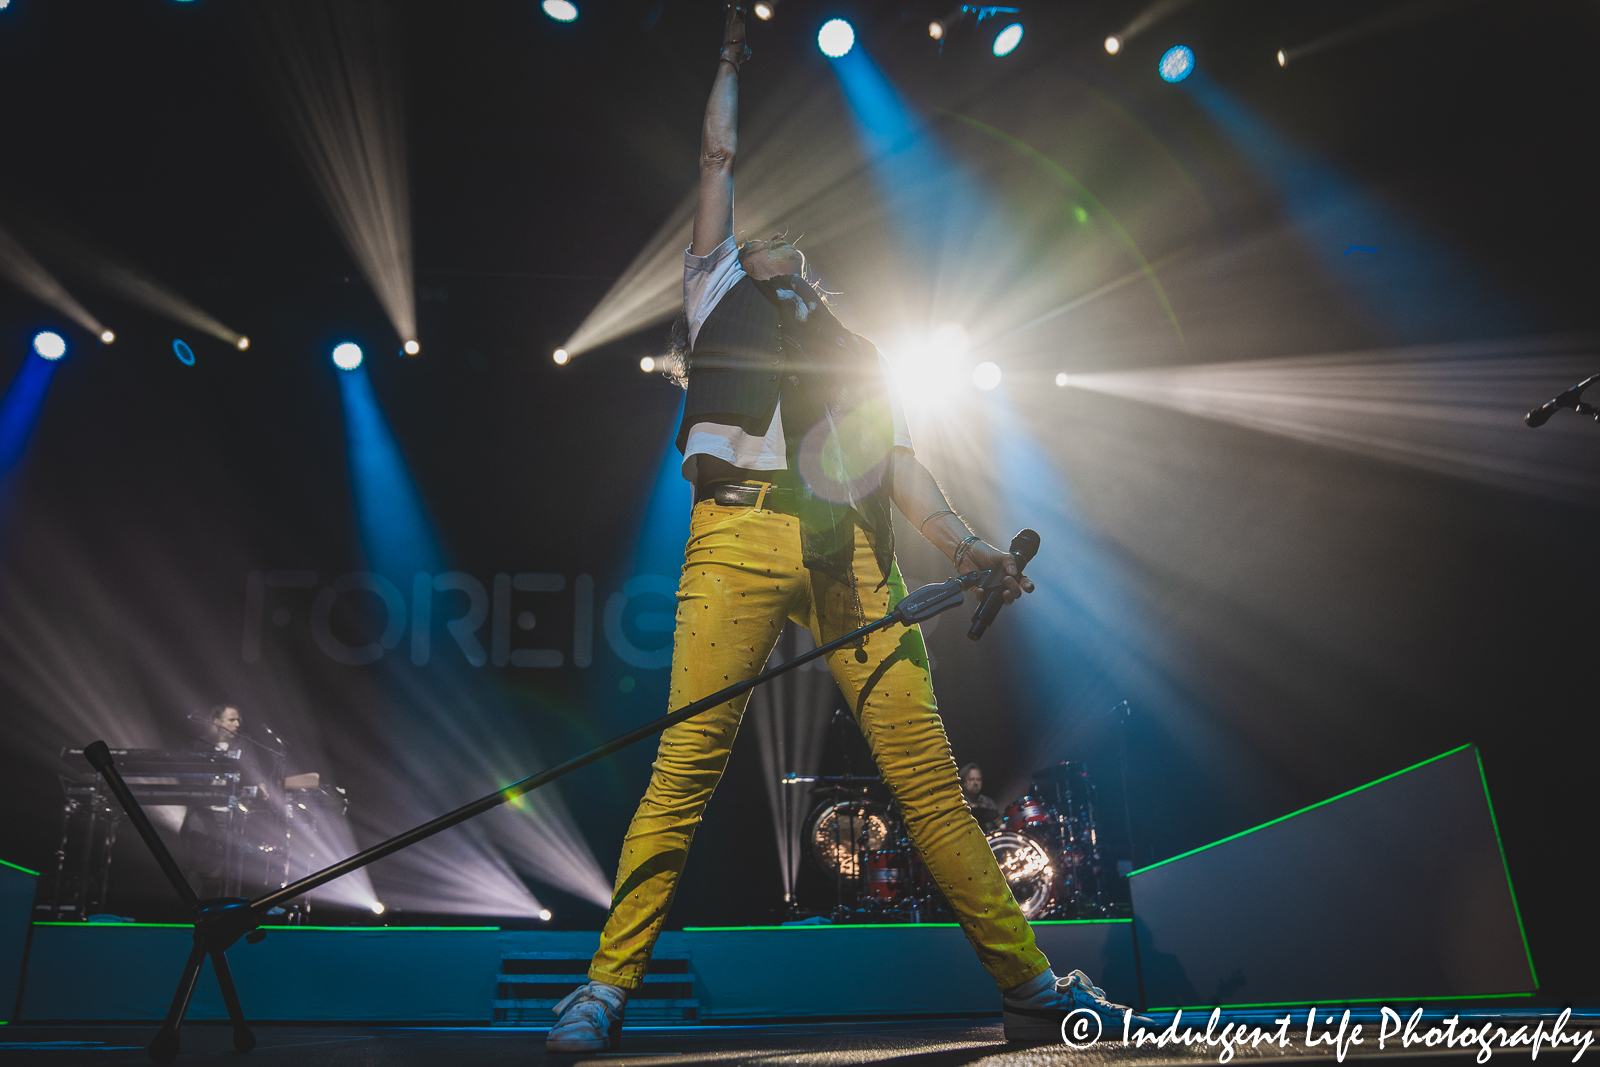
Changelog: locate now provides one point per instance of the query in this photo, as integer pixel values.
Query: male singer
(796, 445)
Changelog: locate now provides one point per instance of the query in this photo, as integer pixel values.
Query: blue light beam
(20, 408)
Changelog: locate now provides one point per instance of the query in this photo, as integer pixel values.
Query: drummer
(984, 809)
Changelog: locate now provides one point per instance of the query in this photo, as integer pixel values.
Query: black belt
(744, 495)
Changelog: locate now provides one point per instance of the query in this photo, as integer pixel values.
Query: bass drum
(1029, 870)
(839, 835)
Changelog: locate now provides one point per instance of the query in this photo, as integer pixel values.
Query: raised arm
(713, 218)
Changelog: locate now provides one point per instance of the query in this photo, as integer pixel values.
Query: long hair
(675, 364)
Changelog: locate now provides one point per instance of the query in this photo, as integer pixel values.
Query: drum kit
(1045, 844)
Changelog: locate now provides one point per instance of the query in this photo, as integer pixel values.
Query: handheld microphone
(1024, 547)
(1567, 399)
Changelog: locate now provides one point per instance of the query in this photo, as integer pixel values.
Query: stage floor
(886, 1044)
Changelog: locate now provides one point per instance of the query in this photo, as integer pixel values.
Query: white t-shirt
(706, 280)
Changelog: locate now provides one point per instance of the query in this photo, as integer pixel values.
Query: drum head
(839, 836)
(1029, 870)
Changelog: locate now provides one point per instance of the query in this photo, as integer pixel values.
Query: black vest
(737, 364)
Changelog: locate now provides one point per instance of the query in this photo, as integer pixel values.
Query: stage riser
(102, 973)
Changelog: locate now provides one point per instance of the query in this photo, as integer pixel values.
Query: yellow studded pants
(742, 579)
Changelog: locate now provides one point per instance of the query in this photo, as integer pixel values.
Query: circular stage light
(1061, 380)
(106, 337)
(762, 11)
(1282, 59)
(184, 353)
(347, 356)
(560, 356)
(411, 348)
(561, 10)
(1113, 44)
(986, 376)
(1006, 41)
(242, 343)
(1177, 64)
(836, 38)
(936, 30)
(378, 908)
(49, 344)
(647, 364)
(544, 914)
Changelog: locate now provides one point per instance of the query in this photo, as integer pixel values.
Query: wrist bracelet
(935, 515)
(961, 550)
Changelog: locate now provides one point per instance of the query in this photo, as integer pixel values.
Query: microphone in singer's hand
(1024, 547)
(1568, 398)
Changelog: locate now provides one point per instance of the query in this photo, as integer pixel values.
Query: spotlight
(647, 364)
(4, 4)
(242, 343)
(184, 353)
(560, 10)
(763, 12)
(1061, 380)
(411, 348)
(378, 908)
(1113, 44)
(561, 357)
(49, 345)
(544, 913)
(1177, 64)
(1006, 41)
(347, 356)
(836, 38)
(936, 30)
(1282, 59)
(106, 337)
(986, 376)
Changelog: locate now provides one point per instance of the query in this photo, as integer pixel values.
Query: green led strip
(884, 926)
(1512, 890)
(1318, 804)
(1338, 1003)
(346, 929)
(18, 867)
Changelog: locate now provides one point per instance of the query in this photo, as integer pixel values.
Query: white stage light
(49, 345)
(647, 364)
(1061, 380)
(1282, 59)
(561, 10)
(1113, 44)
(560, 356)
(377, 907)
(763, 11)
(986, 376)
(544, 913)
(106, 337)
(242, 343)
(347, 356)
(936, 30)
(1006, 41)
(411, 348)
(836, 38)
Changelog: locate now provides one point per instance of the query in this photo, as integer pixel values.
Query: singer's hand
(983, 556)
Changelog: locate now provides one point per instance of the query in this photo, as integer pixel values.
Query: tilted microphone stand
(220, 922)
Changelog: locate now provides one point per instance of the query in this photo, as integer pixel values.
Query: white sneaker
(590, 1020)
(1034, 1010)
